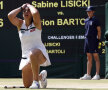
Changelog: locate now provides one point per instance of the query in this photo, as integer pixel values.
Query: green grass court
(59, 84)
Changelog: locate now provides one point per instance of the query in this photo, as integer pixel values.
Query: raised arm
(36, 16)
(15, 20)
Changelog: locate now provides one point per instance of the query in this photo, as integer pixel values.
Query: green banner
(106, 42)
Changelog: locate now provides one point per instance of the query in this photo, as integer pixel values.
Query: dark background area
(72, 64)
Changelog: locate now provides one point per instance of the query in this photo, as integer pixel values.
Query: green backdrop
(106, 42)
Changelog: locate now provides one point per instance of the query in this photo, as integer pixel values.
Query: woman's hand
(24, 6)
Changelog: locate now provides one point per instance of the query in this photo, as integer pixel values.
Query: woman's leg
(89, 63)
(31, 71)
(27, 75)
(36, 58)
(97, 60)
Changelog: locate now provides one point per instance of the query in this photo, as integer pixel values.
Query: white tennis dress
(31, 39)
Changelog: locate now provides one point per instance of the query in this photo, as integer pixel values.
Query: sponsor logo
(32, 30)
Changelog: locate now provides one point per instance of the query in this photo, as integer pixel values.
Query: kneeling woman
(34, 52)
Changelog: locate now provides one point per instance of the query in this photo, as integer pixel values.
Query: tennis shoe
(86, 77)
(35, 85)
(96, 77)
(43, 81)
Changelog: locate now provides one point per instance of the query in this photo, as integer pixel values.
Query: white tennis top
(30, 39)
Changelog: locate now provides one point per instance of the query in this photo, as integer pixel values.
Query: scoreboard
(62, 28)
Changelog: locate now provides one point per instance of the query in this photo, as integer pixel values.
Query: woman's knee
(96, 57)
(89, 59)
(27, 85)
(35, 54)
(27, 76)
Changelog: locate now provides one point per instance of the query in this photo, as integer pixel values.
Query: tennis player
(34, 52)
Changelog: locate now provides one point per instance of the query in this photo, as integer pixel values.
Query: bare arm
(99, 32)
(13, 19)
(36, 16)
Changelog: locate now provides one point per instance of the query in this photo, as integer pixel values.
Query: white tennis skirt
(26, 60)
